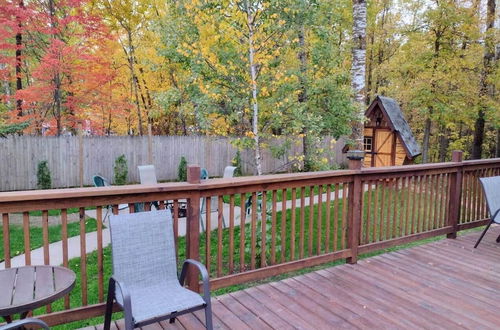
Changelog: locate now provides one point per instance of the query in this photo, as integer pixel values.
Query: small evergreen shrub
(120, 170)
(236, 161)
(44, 180)
(182, 170)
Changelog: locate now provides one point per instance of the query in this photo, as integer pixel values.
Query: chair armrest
(22, 323)
(204, 276)
(114, 281)
(493, 216)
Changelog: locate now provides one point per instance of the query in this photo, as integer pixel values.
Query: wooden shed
(388, 138)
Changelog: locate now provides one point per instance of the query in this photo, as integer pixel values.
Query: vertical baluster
(231, 234)
(414, 214)
(220, 209)
(6, 239)
(46, 255)
(476, 195)
(421, 198)
(396, 219)
(468, 190)
(263, 222)
(27, 242)
(388, 213)
(434, 202)
(100, 256)
(302, 220)
(273, 229)
(162, 205)
(292, 225)
(425, 211)
(147, 206)
(336, 217)
(242, 231)
(345, 196)
(382, 207)
(368, 212)
(64, 237)
(319, 223)
(131, 208)
(407, 206)
(311, 217)
(208, 232)
(115, 209)
(83, 257)
(375, 211)
(442, 202)
(253, 232)
(283, 225)
(463, 202)
(327, 217)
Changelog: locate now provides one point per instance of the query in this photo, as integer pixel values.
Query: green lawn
(36, 236)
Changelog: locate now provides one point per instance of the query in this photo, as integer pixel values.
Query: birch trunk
(253, 76)
(486, 88)
(131, 56)
(358, 70)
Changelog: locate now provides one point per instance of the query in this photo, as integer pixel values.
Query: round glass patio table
(23, 289)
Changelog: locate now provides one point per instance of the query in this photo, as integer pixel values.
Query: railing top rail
(213, 184)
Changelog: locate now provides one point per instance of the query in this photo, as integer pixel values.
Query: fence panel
(20, 156)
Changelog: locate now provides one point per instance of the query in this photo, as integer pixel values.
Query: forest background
(205, 67)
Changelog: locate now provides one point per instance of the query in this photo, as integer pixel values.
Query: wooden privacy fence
(73, 160)
(264, 226)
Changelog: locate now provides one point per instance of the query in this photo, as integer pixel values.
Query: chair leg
(482, 235)
(172, 320)
(208, 317)
(109, 305)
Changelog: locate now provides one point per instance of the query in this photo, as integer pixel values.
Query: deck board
(441, 285)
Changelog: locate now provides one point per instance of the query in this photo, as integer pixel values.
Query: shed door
(383, 147)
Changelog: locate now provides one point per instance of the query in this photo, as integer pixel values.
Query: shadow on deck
(445, 284)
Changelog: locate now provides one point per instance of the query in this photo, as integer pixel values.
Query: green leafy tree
(44, 179)
(120, 170)
(182, 170)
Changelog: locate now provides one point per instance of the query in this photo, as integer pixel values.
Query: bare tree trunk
(358, 70)
(131, 56)
(57, 76)
(19, 60)
(444, 143)
(302, 97)
(427, 134)
(486, 89)
(253, 76)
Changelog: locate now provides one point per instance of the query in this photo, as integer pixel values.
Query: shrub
(236, 161)
(44, 180)
(182, 170)
(120, 170)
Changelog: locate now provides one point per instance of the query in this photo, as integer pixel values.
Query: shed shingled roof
(399, 124)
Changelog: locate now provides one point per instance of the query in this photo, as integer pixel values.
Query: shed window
(368, 143)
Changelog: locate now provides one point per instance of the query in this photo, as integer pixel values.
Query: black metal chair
(491, 189)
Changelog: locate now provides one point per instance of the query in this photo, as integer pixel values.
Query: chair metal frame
(485, 182)
(116, 283)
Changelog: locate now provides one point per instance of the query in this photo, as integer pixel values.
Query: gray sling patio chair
(144, 281)
(491, 189)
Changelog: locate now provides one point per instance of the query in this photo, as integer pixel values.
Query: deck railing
(262, 226)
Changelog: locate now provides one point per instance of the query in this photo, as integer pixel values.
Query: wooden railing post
(354, 212)
(193, 227)
(455, 194)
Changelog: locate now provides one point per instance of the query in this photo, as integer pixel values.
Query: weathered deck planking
(441, 285)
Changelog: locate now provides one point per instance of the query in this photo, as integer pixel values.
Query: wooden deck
(445, 284)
